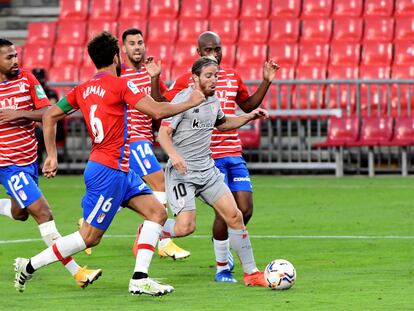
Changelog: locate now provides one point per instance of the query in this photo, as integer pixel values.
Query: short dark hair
(5, 42)
(202, 62)
(102, 49)
(131, 31)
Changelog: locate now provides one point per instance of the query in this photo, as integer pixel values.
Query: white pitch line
(360, 237)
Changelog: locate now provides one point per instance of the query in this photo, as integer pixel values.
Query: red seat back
(43, 33)
(185, 54)
(195, 9)
(107, 10)
(342, 95)
(313, 54)
(316, 30)
(313, 8)
(404, 29)
(284, 29)
(227, 9)
(97, 26)
(345, 54)
(379, 29)
(163, 30)
(250, 134)
(164, 9)
(343, 130)
(402, 95)
(259, 9)
(285, 54)
(348, 8)
(74, 10)
(404, 130)
(64, 55)
(229, 55)
(228, 29)
(254, 30)
(251, 54)
(377, 54)
(404, 8)
(403, 53)
(376, 130)
(37, 57)
(348, 29)
(190, 29)
(134, 9)
(290, 8)
(309, 96)
(71, 32)
(379, 7)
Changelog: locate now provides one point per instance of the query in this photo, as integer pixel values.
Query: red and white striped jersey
(140, 123)
(230, 90)
(18, 145)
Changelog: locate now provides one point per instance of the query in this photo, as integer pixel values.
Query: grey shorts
(181, 190)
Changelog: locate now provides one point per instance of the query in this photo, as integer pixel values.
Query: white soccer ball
(280, 274)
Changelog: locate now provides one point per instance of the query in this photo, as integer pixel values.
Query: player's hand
(197, 96)
(269, 70)
(153, 68)
(8, 115)
(50, 167)
(179, 164)
(259, 113)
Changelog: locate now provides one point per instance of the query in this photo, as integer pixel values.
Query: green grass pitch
(350, 239)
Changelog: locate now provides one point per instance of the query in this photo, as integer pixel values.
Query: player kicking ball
(191, 171)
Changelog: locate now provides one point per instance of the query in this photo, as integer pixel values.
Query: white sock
(221, 249)
(5, 208)
(168, 229)
(239, 240)
(148, 237)
(162, 198)
(49, 234)
(60, 250)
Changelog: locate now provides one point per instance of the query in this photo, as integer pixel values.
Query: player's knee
(21, 216)
(185, 229)
(159, 216)
(235, 219)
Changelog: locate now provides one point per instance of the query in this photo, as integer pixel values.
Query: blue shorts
(21, 183)
(236, 174)
(106, 190)
(142, 160)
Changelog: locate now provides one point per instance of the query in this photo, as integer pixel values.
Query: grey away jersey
(193, 129)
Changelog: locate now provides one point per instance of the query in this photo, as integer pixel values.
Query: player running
(103, 101)
(145, 74)
(226, 147)
(191, 171)
(22, 102)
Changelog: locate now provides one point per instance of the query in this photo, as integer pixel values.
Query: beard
(12, 74)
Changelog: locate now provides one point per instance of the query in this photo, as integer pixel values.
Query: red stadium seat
(285, 54)
(86, 73)
(163, 30)
(254, 30)
(341, 132)
(133, 9)
(281, 95)
(284, 29)
(20, 53)
(309, 96)
(403, 132)
(374, 53)
(289, 8)
(195, 9)
(228, 29)
(313, 54)
(185, 54)
(228, 58)
(87, 61)
(177, 71)
(316, 30)
(379, 7)
(124, 24)
(74, 10)
(97, 26)
(351, 8)
(107, 10)
(251, 54)
(250, 134)
(43, 33)
(402, 95)
(375, 131)
(345, 54)
(37, 56)
(404, 53)
(404, 8)
(227, 9)
(164, 52)
(64, 74)
(71, 32)
(190, 29)
(404, 29)
(313, 8)
(255, 8)
(64, 55)
(341, 95)
(379, 29)
(251, 72)
(348, 29)
(165, 9)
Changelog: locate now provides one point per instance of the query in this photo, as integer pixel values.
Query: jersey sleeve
(242, 92)
(37, 92)
(131, 94)
(177, 86)
(173, 121)
(220, 113)
(68, 103)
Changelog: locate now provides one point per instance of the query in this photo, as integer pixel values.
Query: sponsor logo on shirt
(40, 92)
(241, 178)
(197, 124)
(131, 85)
(8, 103)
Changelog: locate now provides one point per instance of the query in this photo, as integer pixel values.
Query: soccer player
(226, 147)
(191, 171)
(22, 103)
(109, 184)
(145, 74)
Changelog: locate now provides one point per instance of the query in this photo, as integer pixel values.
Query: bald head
(209, 44)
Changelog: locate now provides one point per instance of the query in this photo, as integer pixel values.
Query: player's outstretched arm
(8, 115)
(231, 123)
(161, 110)
(165, 140)
(154, 71)
(269, 71)
(50, 118)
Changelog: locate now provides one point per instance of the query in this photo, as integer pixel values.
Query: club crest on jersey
(22, 87)
(100, 219)
(131, 85)
(228, 83)
(8, 103)
(22, 195)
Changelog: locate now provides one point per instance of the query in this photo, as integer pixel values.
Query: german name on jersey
(230, 90)
(140, 123)
(103, 101)
(18, 145)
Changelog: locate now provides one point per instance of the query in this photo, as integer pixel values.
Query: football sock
(49, 234)
(221, 249)
(148, 237)
(162, 198)
(239, 240)
(168, 229)
(5, 208)
(60, 250)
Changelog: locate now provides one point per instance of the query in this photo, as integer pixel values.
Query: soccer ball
(280, 274)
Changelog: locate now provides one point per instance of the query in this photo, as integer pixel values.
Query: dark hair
(131, 31)
(5, 42)
(102, 49)
(202, 62)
